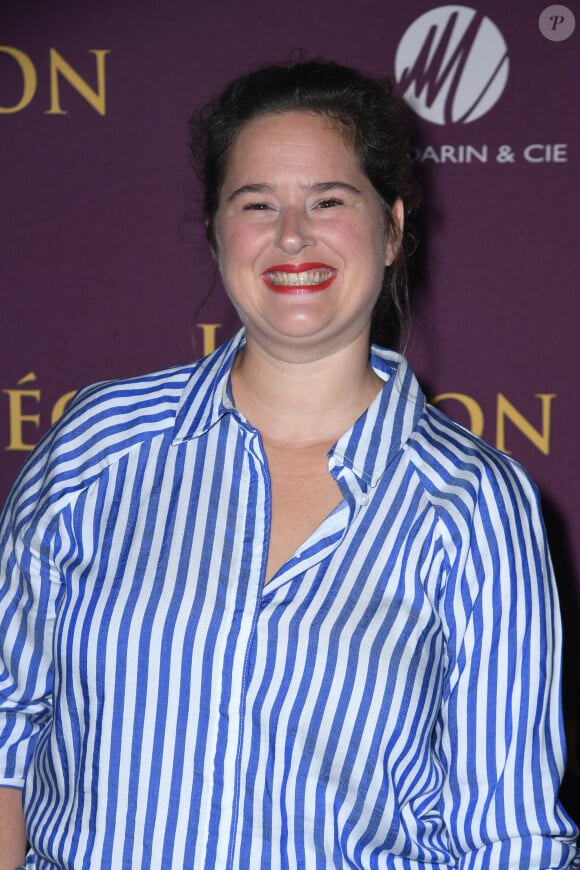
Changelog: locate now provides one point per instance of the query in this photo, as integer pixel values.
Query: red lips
(321, 276)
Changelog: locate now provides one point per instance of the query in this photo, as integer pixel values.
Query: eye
(329, 203)
(256, 206)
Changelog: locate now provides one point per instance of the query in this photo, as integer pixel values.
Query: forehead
(291, 138)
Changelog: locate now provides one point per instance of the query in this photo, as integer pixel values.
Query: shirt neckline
(367, 448)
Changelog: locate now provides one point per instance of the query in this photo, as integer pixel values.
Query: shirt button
(364, 499)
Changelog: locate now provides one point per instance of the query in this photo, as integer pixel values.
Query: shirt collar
(382, 431)
(366, 448)
(207, 395)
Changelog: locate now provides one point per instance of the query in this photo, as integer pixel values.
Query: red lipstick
(297, 278)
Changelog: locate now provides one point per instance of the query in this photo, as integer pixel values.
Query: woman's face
(301, 238)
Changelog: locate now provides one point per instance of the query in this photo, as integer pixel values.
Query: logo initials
(452, 65)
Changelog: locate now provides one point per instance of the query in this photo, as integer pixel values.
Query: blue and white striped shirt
(389, 700)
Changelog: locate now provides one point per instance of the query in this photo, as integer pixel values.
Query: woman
(271, 609)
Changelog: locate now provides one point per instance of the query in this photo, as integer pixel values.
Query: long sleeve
(500, 736)
(29, 592)
(389, 699)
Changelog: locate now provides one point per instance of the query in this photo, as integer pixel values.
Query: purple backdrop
(103, 267)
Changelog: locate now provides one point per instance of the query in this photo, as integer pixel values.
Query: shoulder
(103, 423)
(122, 410)
(453, 464)
(489, 523)
(464, 475)
(115, 413)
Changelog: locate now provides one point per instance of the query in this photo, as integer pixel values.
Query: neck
(308, 402)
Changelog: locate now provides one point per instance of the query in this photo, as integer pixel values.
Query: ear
(393, 244)
(212, 244)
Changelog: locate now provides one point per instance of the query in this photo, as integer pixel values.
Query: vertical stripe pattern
(390, 699)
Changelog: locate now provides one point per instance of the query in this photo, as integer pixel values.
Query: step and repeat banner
(105, 273)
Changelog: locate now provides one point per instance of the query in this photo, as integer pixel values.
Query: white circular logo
(452, 65)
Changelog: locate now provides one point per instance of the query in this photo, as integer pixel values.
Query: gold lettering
(60, 406)
(97, 99)
(29, 79)
(540, 439)
(17, 415)
(209, 336)
(472, 407)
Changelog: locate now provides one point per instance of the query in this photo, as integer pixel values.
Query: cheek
(364, 233)
(364, 246)
(236, 245)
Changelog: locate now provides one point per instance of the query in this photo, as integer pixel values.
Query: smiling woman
(272, 609)
(367, 118)
(303, 245)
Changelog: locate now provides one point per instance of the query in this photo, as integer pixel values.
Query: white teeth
(300, 279)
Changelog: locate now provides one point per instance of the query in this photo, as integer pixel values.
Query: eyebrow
(318, 187)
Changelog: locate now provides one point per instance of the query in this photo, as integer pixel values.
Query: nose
(293, 231)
